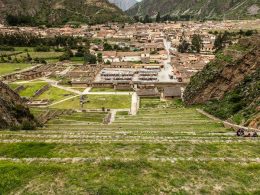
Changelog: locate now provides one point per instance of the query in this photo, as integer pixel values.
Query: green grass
(13, 85)
(107, 90)
(162, 130)
(15, 175)
(43, 55)
(81, 117)
(31, 88)
(23, 150)
(97, 102)
(54, 94)
(23, 49)
(77, 59)
(7, 68)
(81, 89)
(128, 150)
(135, 177)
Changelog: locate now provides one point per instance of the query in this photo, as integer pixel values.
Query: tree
(137, 18)
(158, 17)
(221, 40)
(107, 47)
(196, 43)
(99, 57)
(184, 46)
(147, 19)
(90, 59)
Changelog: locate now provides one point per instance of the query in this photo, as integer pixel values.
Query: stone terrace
(164, 142)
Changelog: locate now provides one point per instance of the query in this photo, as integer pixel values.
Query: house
(129, 56)
(171, 92)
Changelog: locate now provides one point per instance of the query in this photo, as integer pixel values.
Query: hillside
(124, 5)
(230, 85)
(13, 113)
(56, 12)
(214, 9)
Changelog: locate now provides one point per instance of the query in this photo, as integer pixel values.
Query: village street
(166, 74)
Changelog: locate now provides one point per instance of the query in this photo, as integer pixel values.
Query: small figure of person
(240, 132)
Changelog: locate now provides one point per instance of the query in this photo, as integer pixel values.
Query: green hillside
(229, 87)
(56, 12)
(214, 9)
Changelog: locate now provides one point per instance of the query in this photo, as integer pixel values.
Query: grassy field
(165, 149)
(106, 90)
(97, 102)
(54, 94)
(31, 88)
(6, 68)
(43, 55)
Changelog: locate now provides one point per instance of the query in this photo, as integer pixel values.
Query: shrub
(15, 128)
(27, 125)
(6, 48)
(42, 48)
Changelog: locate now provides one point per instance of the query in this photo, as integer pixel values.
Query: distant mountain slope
(55, 12)
(199, 8)
(230, 86)
(123, 4)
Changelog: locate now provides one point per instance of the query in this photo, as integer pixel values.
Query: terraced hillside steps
(164, 149)
(52, 114)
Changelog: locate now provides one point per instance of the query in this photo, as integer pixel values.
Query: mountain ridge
(214, 9)
(56, 12)
(124, 5)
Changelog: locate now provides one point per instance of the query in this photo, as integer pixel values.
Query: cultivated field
(165, 149)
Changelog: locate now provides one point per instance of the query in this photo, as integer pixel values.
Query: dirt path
(134, 104)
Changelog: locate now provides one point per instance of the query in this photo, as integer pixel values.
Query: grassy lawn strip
(97, 102)
(129, 150)
(107, 90)
(134, 177)
(31, 88)
(26, 150)
(43, 55)
(6, 68)
(54, 94)
(29, 49)
(80, 117)
(16, 175)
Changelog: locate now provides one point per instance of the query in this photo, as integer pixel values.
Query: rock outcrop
(229, 86)
(13, 112)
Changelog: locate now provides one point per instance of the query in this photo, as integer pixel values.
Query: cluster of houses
(186, 65)
(142, 53)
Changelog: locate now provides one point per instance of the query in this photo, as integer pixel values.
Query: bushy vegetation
(23, 39)
(239, 104)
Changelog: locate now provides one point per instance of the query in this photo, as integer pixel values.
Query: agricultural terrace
(165, 149)
(7, 68)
